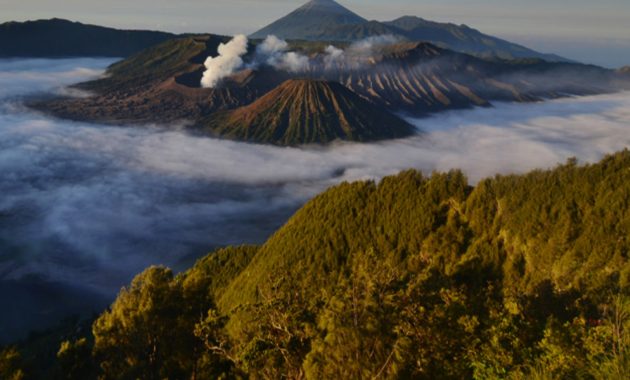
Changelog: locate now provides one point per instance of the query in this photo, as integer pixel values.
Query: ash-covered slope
(308, 21)
(162, 84)
(421, 78)
(63, 38)
(302, 111)
(153, 86)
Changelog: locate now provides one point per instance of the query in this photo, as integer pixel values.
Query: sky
(589, 31)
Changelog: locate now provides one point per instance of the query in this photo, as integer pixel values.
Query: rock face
(303, 111)
(63, 38)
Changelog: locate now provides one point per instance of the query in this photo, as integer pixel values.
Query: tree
(11, 364)
(139, 337)
(75, 360)
(217, 360)
(357, 329)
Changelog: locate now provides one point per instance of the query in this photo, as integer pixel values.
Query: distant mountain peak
(324, 5)
(310, 19)
(327, 20)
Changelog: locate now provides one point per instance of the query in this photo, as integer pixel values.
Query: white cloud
(96, 204)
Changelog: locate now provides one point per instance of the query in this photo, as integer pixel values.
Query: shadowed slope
(63, 38)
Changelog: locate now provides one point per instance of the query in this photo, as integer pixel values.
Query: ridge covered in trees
(520, 276)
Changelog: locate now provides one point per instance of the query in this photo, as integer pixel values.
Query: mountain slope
(464, 39)
(326, 20)
(162, 84)
(62, 38)
(309, 111)
(524, 218)
(409, 278)
(309, 20)
(146, 87)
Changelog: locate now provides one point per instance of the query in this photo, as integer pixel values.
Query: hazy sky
(591, 31)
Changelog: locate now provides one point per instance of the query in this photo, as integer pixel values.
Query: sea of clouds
(84, 207)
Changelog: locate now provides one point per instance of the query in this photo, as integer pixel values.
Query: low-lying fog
(84, 207)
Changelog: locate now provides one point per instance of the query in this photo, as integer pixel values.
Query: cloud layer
(89, 205)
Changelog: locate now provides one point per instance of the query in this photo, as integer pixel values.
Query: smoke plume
(226, 63)
(367, 46)
(273, 51)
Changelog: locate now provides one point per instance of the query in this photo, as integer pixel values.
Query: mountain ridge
(162, 84)
(305, 24)
(58, 37)
(517, 275)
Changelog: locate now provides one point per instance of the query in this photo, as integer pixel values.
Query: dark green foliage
(11, 364)
(149, 331)
(520, 277)
(216, 271)
(75, 360)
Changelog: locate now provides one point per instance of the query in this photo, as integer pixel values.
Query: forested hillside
(424, 277)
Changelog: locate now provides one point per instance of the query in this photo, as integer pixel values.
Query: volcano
(304, 111)
(352, 99)
(326, 20)
(308, 21)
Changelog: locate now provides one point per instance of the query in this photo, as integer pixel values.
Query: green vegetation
(11, 364)
(519, 277)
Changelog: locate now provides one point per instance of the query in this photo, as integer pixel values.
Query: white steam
(226, 63)
(358, 54)
(273, 51)
(368, 46)
(271, 47)
(333, 57)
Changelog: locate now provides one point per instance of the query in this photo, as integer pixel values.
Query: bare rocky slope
(302, 111)
(162, 84)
